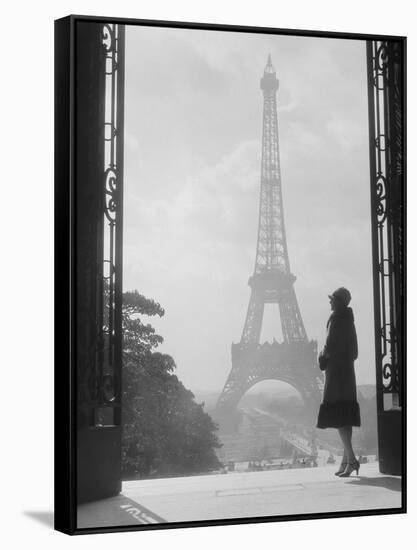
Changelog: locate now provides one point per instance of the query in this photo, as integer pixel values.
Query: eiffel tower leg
(292, 324)
(252, 330)
(227, 415)
(232, 391)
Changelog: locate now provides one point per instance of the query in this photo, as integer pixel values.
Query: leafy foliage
(138, 339)
(165, 431)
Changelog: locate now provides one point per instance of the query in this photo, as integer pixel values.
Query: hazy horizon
(193, 125)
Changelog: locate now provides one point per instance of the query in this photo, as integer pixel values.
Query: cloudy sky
(192, 176)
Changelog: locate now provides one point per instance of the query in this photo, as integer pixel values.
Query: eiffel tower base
(293, 363)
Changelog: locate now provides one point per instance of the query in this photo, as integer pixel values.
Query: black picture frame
(72, 125)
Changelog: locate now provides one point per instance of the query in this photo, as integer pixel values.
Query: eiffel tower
(294, 360)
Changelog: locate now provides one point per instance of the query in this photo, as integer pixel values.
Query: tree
(165, 431)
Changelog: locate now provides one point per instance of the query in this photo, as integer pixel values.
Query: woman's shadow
(386, 482)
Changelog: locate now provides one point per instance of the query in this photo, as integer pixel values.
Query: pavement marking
(237, 492)
(141, 514)
(289, 487)
(118, 510)
(259, 490)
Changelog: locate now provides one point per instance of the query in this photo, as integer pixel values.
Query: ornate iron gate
(99, 206)
(386, 128)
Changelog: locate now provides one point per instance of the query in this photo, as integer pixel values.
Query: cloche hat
(342, 294)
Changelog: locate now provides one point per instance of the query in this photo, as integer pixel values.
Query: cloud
(198, 229)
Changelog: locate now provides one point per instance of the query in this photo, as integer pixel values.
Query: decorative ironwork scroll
(109, 349)
(386, 114)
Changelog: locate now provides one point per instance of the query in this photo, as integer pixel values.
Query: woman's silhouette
(340, 408)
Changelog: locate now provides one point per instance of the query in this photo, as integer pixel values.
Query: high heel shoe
(351, 467)
(341, 469)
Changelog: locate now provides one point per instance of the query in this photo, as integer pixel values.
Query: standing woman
(340, 408)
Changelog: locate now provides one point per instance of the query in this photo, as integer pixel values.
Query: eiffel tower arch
(294, 360)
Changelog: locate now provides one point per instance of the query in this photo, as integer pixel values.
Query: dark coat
(341, 349)
(340, 407)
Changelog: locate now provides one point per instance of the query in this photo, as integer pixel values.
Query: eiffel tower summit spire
(294, 359)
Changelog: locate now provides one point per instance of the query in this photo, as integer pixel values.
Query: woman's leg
(345, 433)
(343, 464)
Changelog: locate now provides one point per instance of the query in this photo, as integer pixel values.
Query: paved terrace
(240, 495)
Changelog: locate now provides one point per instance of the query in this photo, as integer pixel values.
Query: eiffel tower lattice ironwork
(295, 359)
